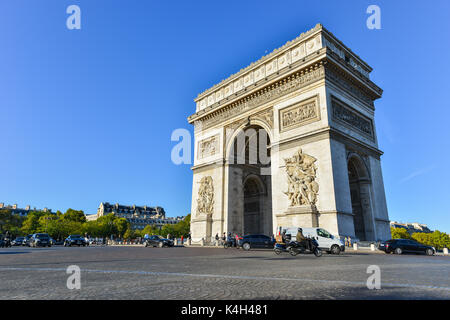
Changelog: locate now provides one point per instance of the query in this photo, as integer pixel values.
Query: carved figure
(302, 187)
(205, 199)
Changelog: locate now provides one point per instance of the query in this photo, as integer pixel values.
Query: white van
(327, 242)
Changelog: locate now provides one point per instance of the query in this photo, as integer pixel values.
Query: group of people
(227, 238)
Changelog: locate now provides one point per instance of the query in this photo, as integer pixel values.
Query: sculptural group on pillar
(302, 185)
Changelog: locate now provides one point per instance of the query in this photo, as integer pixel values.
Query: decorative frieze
(267, 94)
(208, 147)
(344, 114)
(299, 114)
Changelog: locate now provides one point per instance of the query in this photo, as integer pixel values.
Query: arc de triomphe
(319, 164)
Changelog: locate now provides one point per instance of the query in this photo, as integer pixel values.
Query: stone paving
(216, 273)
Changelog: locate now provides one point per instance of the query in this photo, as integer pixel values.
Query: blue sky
(86, 115)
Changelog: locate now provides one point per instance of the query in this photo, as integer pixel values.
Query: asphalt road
(216, 273)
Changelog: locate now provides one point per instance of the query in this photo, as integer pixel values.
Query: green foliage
(59, 225)
(31, 224)
(122, 226)
(74, 215)
(436, 239)
(400, 233)
(10, 222)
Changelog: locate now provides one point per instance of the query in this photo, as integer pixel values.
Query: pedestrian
(236, 240)
(182, 240)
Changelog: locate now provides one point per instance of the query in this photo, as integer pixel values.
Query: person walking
(182, 240)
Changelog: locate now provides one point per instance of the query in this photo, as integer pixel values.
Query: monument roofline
(291, 51)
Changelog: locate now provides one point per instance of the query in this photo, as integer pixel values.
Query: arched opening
(359, 192)
(249, 183)
(253, 194)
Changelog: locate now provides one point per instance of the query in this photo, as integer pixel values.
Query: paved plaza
(216, 273)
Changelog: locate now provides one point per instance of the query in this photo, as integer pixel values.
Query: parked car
(157, 241)
(327, 242)
(400, 246)
(74, 240)
(40, 240)
(252, 241)
(26, 241)
(18, 241)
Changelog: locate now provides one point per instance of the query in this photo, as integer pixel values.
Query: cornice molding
(292, 52)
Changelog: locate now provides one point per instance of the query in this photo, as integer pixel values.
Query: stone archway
(254, 193)
(249, 186)
(360, 185)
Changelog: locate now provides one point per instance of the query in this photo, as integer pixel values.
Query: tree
(121, 225)
(400, 233)
(31, 224)
(74, 215)
(10, 222)
(436, 239)
(107, 227)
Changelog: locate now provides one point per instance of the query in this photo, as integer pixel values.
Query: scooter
(294, 248)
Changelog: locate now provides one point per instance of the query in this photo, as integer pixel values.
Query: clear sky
(87, 115)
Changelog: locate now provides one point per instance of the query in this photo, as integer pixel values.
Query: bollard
(446, 251)
(202, 242)
(372, 247)
(189, 242)
(355, 246)
(217, 243)
(176, 242)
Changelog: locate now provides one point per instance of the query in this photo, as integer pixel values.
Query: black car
(18, 241)
(256, 241)
(157, 241)
(400, 246)
(40, 240)
(74, 240)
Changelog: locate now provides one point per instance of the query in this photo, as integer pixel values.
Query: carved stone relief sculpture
(205, 199)
(302, 185)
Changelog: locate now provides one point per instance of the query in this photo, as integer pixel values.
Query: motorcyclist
(301, 239)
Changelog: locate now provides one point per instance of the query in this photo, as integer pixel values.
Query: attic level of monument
(316, 46)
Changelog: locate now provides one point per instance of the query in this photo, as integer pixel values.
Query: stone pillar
(355, 246)
(372, 247)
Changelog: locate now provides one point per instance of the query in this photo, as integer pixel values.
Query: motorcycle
(229, 243)
(5, 243)
(294, 247)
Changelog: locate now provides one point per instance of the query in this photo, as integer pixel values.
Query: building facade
(411, 227)
(138, 216)
(23, 212)
(290, 141)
